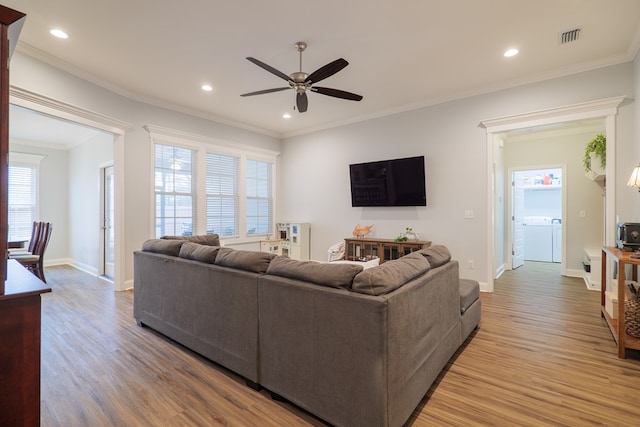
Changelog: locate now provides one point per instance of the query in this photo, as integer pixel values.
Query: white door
(108, 237)
(518, 221)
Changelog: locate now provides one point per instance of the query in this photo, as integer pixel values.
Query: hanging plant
(597, 146)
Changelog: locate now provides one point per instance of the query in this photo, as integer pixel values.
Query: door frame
(603, 108)
(102, 266)
(55, 108)
(510, 232)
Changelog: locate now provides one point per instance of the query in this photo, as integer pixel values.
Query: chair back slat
(43, 239)
(35, 234)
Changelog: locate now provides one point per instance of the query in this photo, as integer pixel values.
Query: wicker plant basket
(632, 315)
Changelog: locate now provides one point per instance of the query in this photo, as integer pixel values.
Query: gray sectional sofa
(354, 347)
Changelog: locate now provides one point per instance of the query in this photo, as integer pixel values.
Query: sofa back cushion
(391, 275)
(256, 262)
(324, 274)
(203, 239)
(197, 252)
(165, 247)
(437, 255)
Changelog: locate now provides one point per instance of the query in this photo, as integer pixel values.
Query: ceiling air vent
(570, 36)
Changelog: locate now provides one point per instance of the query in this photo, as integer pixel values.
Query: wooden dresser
(359, 249)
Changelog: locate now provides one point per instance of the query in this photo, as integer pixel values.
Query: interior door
(108, 222)
(518, 221)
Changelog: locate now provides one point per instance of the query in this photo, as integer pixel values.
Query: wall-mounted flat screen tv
(396, 182)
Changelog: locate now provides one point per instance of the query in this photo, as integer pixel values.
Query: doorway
(537, 203)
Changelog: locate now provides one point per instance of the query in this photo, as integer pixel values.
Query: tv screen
(396, 182)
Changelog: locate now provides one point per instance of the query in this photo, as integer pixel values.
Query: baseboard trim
(572, 272)
(500, 270)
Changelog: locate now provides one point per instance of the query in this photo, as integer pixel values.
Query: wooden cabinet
(362, 249)
(20, 348)
(616, 326)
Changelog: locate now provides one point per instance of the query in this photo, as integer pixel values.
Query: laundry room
(542, 214)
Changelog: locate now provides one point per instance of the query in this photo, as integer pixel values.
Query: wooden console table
(616, 326)
(20, 349)
(357, 249)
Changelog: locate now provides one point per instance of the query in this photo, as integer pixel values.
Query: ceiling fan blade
(269, 68)
(327, 71)
(337, 93)
(261, 92)
(302, 102)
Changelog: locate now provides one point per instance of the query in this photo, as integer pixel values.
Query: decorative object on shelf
(632, 314)
(360, 231)
(407, 234)
(634, 179)
(597, 146)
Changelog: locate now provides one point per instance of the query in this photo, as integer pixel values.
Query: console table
(616, 326)
(358, 249)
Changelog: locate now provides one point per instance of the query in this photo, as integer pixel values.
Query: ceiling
(402, 54)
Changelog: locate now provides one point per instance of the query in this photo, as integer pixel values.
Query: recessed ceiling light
(286, 116)
(207, 88)
(511, 52)
(56, 32)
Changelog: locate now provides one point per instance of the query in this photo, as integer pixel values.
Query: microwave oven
(628, 236)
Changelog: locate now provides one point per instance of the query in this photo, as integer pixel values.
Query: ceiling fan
(302, 82)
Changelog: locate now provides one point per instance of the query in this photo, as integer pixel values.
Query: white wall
(314, 180)
(53, 206)
(84, 200)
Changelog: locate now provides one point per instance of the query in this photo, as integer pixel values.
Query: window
(203, 185)
(259, 200)
(23, 194)
(174, 191)
(222, 194)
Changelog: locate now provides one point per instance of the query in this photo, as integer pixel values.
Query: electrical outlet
(470, 264)
(468, 214)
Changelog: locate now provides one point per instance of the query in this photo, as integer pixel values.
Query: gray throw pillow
(324, 274)
(437, 255)
(202, 253)
(257, 262)
(166, 247)
(203, 239)
(391, 275)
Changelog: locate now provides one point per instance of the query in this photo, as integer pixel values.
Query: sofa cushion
(437, 255)
(469, 292)
(165, 247)
(257, 262)
(203, 239)
(197, 252)
(324, 274)
(391, 275)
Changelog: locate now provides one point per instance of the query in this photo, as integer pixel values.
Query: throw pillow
(165, 247)
(391, 275)
(257, 262)
(437, 255)
(324, 274)
(202, 253)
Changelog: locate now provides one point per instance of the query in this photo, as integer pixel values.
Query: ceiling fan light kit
(302, 82)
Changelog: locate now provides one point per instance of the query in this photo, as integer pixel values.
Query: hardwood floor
(542, 356)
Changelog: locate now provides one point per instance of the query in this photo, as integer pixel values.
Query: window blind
(174, 190)
(223, 177)
(259, 197)
(22, 201)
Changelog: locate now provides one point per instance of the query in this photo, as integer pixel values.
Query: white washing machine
(538, 238)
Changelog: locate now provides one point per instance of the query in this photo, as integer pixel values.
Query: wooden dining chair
(33, 241)
(34, 262)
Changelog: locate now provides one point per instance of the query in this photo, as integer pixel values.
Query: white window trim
(202, 145)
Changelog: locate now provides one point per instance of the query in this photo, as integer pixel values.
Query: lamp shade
(634, 179)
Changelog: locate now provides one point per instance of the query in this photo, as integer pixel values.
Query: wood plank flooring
(542, 356)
